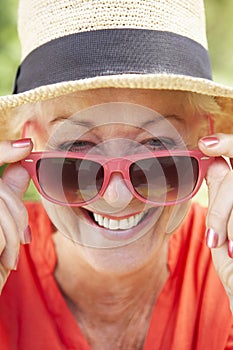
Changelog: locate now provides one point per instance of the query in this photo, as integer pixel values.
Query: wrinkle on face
(116, 135)
(62, 115)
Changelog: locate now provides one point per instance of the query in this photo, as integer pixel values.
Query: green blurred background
(219, 29)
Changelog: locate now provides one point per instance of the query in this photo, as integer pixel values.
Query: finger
(219, 179)
(14, 151)
(214, 177)
(2, 241)
(230, 235)
(17, 209)
(17, 178)
(230, 226)
(220, 210)
(4, 273)
(9, 255)
(224, 267)
(217, 145)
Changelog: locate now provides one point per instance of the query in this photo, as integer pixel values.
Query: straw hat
(88, 44)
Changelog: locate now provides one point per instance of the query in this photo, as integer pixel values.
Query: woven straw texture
(45, 20)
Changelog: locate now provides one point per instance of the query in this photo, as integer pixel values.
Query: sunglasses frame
(117, 165)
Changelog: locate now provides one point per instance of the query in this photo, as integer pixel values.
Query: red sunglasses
(77, 179)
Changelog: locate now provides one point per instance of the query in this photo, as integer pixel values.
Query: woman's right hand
(14, 228)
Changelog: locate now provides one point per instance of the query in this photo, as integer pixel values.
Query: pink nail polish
(211, 238)
(209, 141)
(21, 143)
(27, 235)
(230, 248)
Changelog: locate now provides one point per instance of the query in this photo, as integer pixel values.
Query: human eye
(160, 143)
(76, 146)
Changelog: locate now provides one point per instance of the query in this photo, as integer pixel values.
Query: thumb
(218, 215)
(17, 178)
(214, 177)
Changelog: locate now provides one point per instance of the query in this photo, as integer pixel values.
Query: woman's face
(117, 232)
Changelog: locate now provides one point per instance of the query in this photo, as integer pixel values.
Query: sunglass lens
(69, 180)
(164, 179)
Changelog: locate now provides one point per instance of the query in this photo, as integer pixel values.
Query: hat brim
(223, 94)
(116, 58)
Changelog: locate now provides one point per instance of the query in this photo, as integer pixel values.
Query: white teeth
(123, 224)
(113, 224)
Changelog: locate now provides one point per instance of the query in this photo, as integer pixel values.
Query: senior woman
(120, 123)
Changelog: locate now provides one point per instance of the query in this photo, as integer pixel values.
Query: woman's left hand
(219, 222)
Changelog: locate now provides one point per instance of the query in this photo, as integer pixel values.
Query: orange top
(191, 313)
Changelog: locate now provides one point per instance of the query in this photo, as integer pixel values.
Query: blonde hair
(12, 123)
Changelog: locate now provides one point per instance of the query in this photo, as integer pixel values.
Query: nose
(117, 193)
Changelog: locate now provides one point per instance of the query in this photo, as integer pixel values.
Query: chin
(111, 251)
(128, 258)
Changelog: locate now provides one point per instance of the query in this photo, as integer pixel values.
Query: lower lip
(120, 235)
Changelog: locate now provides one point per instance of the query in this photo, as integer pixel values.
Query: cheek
(63, 218)
(177, 215)
(38, 134)
(41, 140)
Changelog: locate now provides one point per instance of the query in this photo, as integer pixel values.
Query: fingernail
(27, 235)
(209, 141)
(16, 263)
(211, 238)
(22, 143)
(230, 248)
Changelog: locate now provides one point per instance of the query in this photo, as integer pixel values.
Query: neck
(114, 301)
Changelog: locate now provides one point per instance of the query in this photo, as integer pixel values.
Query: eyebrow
(160, 118)
(86, 124)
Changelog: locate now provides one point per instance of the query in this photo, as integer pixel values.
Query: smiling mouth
(115, 224)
